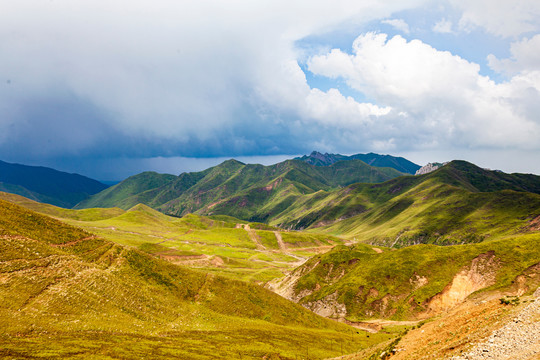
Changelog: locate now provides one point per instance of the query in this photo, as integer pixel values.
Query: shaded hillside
(236, 189)
(65, 292)
(116, 195)
(401, 164)
(47, 185)
(361, 282)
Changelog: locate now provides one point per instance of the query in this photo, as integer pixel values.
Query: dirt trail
(518, 339)
(376, 325)
(280, 242)
(253, 236)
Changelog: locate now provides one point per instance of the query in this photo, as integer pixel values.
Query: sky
(112, 88)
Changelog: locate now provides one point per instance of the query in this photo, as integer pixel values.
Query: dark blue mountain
(47, 185)
(398, 163)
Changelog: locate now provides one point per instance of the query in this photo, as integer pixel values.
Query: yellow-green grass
(442, 214)
(58, 212)
(63, 295)
(267, 238)
(304, 239)
(222, 248)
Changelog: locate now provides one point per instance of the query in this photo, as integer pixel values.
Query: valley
(371, 269)
(66, 294)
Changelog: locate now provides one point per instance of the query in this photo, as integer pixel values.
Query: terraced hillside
(65, 293)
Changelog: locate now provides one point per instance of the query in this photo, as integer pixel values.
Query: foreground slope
(480, 328)
(47, 185)
(66, 293)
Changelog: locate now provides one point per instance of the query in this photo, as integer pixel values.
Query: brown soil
(254, 237)
(479, 274)
(535, 224)
(280, 242)
(73, 242)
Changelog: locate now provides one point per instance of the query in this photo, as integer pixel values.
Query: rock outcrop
(429, 168)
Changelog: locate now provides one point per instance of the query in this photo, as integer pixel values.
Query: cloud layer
(101, 79)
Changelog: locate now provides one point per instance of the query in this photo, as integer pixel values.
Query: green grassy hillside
(115, 196)
(67, 294)
(400, 284)
(93, 214)
(251, 192)
(259, 193)
(456, 204)
(219, 244)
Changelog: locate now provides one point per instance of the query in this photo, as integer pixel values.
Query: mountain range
(459, 202)
(168, 265)
(246, 191)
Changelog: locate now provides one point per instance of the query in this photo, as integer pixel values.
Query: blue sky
(112, 88)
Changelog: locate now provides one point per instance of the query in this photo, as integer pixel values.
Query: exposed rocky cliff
(429, 168)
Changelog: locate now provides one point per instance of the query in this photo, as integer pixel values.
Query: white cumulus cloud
(444, 94)
(525, 57)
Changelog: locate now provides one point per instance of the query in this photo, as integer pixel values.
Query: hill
(401, 164)
(251, 192)
(220, 244)
(455, 204)
(117, 195)
(67, 293)
(361, 282)
(47, 185)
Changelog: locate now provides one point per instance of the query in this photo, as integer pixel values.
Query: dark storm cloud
(96, 80)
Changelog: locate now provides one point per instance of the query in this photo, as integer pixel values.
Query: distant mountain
(47, 185)
(398, 163)
(252, 192)
(118, 195)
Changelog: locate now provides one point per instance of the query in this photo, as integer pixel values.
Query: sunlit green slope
(456, 204)
(220, 244)
(65, 293)
(236, 189)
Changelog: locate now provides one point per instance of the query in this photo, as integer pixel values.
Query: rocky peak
(429, 168)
